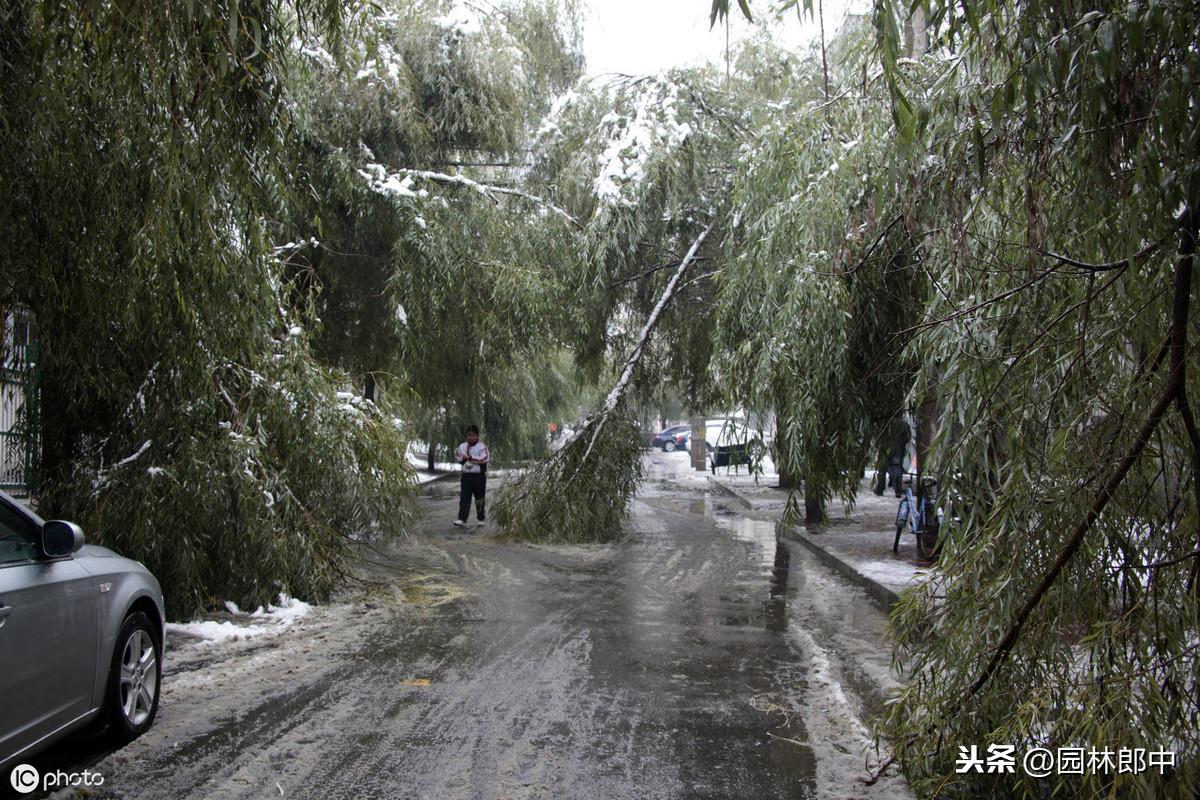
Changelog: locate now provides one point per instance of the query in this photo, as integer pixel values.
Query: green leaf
(720, 10)
(1106, 35)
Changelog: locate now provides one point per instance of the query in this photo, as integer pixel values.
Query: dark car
(668, 440)
(81, 636)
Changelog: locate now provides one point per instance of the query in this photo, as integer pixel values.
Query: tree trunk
(916, 35)
(814, 509)
(430, 458)
(824, 59)
(58, 436)
(369, 387)
(699, 451)
(788, 479)
(926, 423)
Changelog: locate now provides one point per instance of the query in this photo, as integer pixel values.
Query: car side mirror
(60, 538)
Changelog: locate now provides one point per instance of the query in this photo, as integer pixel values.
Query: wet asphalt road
(698, 658)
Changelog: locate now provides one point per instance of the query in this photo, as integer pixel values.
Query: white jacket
(478, 452)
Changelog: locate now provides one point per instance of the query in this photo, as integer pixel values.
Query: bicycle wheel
(927, 545)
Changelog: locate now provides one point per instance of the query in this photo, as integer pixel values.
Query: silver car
(81, 636)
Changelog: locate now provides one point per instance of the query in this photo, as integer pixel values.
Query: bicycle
(922, 517)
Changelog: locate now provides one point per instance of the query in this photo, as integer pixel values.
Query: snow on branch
(399, 183)
(102, 474)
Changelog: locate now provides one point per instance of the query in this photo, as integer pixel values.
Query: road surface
(697, 658)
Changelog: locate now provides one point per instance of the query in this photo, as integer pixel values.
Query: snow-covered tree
(430, 267)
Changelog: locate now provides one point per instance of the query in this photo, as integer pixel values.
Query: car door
(47, 636)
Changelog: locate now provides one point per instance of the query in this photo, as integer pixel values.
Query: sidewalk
(858, 546)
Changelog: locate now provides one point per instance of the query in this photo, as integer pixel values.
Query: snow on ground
(416, 457)
(269, 622)
(895, 574)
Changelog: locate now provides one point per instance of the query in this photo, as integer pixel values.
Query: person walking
(473, 455)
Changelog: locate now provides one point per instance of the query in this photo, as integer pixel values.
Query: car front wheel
(669, 446)
(131, 700)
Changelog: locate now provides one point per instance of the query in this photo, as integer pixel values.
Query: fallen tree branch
(877, 773)
(622, 385)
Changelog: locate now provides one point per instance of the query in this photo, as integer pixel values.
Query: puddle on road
(428, 591)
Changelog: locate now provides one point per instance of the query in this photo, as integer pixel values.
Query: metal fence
(19, 418)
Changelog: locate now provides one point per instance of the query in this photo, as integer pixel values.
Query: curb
(884, 597)
(730, 492)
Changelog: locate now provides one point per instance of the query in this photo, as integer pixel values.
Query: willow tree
(642, 164)
(185, 421)
(1058, 230)
(430, 270)
(1041, 198)
(816, 289)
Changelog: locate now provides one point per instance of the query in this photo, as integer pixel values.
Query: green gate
(19, 419)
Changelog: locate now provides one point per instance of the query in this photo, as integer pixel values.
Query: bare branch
(648, 272)
(699, 278)
(1140, 255)
(379, 179)
(238, 423)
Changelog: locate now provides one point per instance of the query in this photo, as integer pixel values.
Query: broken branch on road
(601, 472)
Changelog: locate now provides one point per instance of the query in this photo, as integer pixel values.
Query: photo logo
(25, 778)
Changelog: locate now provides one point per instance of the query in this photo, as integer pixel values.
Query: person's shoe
(479, 523)
(458, 523)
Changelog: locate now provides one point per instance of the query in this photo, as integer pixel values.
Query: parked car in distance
(732, 441)
(81, 636)
(726, 432)
(668, 439)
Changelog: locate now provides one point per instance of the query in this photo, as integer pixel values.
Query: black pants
(474, 484)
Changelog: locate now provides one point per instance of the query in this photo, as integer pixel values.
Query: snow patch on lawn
(262, 622)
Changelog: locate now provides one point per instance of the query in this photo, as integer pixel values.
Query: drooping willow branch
(1175, 392)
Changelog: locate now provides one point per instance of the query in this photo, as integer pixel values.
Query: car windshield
(18, 536)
